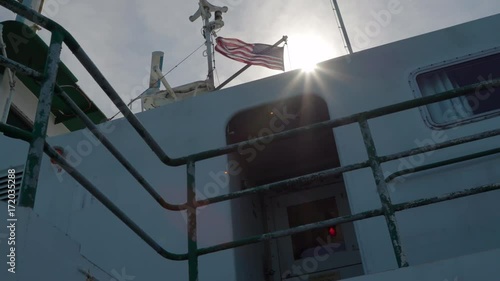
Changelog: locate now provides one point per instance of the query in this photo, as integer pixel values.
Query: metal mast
(205, 11)
(342, 26)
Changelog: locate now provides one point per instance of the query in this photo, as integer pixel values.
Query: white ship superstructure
(380, 165)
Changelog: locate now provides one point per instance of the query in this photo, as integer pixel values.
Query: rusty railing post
(41, 123)
(191, 222)
(383, 192)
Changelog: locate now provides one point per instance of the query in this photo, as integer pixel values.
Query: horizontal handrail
(275, 186)
(15, 132)
(349, 218)
(96, 74)
(117, 154)
(347, 120)
(450, 143)
(447, 197)
(193, 252)
(258, 238)
(285, 184)
(322, 175)
(164, 253)
(52, 153)
(442, 163)
(20, 68)
(87, 63)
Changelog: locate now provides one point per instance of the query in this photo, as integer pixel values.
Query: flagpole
(342, 26)
(284, 39)
(207, 32)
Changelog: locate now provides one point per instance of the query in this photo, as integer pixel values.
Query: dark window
(309, 152)
(482, 101)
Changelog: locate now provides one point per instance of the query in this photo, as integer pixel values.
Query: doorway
(322, 254)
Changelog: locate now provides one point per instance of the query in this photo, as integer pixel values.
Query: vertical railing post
(383, 192)
(41, 123)
(191, 222)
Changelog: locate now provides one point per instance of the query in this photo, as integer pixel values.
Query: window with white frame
(484, 101)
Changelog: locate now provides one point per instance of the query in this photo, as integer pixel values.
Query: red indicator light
(332, 231)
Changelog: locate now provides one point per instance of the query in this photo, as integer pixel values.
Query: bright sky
(119, 35)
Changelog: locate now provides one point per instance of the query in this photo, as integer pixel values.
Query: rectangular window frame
(424, 110)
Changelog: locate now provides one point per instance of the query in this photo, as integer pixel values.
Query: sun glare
(309, 67)
(308, 50)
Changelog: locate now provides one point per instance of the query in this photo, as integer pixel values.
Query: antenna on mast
(205, 11)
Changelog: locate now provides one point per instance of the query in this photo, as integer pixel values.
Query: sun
(306, 50)
(309, 67)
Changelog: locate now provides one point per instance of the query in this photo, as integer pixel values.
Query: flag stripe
(231, 46)
(235, 44)
(256, 58)
(250, 57)
(255, 62)
(250, 50)
(234, 41)
(248, 54)
(270, 57)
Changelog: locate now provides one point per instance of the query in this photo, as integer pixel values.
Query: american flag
(253, 54)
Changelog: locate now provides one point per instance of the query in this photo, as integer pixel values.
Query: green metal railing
(38, 145)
